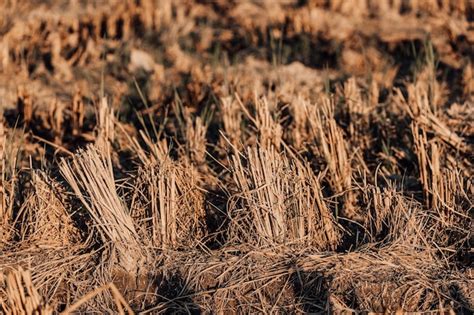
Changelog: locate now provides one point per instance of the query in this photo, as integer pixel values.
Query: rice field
(162, 157)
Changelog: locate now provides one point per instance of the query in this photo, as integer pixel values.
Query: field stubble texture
(164, 156)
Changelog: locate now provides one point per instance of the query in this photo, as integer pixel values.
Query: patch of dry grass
(236, 157)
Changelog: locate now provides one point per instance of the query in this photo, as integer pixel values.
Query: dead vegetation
(236, 157)
(282, 202)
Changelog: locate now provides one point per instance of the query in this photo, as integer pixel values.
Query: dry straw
(105, 124)
(90, 175)
(418, 108)
(231, 120)
(307, 217)
(333, 148)
(196, 140)
(44, 218)
(268, 129)
(282, 202)
(21, 295)
(10, 149)
(167, 200)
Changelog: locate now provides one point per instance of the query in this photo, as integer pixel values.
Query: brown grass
(236, 157)
(91, 177)
(282, 202)
(168, 202)
(44, 216)
(23, 298)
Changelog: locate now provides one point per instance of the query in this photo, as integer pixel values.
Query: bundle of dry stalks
(428, 164)
(282, 202)
(446, 194)
(90, 174)
(299, 132)
(269, 130)
(359, 110)
(167, 200)
(44, 218)
(231, 120)
(8, 183)
(196, 141)
(419, 109)
(155, 206)
(105, 125)
(55, 120)
(21, 295)
(332, 147)
(468, 80)
(77, 113)
(393, 218)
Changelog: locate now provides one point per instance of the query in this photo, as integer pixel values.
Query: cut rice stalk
(90, 175)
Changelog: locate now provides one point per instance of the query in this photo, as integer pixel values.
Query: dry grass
(44, 216)
(91, 177)
(333, 148)
(22, 296)
(236, 157)
(282, 202)
(167, 201)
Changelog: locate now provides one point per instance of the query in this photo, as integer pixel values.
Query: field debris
(187, 156)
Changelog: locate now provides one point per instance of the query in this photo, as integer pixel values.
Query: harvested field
(190, 156)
